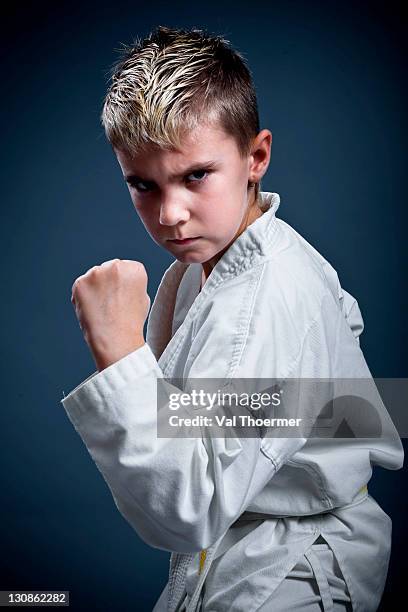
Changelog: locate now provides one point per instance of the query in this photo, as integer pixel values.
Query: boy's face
(197, 192)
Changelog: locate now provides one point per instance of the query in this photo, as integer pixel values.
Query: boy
(253, 523)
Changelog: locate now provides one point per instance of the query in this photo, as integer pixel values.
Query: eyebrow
(208, 165)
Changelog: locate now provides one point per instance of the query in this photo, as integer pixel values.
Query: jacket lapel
(159, 325)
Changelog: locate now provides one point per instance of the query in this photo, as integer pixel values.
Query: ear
(260, 156)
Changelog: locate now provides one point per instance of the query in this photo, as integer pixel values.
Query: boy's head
(178, 100)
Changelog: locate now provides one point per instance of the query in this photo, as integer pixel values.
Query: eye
(135, 185)
(199, 172)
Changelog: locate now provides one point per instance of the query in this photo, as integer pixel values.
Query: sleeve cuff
(101, 384)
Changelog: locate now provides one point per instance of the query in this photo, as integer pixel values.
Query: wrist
(103, 359)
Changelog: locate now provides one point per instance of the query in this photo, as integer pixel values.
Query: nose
(173, 212)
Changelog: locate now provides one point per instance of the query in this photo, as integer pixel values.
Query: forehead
(208, 142)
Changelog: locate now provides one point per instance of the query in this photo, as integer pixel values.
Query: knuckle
(110, 262)
(141, 269)
(115, 266)
(91, 274)
(87, 274)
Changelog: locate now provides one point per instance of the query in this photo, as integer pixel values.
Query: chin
(189, 257)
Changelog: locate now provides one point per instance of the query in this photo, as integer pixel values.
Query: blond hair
(174, 80)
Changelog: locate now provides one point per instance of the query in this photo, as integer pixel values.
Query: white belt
(246, 517)
(255, 516)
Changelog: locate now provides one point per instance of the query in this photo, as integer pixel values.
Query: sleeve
(182, 494)
(177, 493)
(352, 314)
(348, 304)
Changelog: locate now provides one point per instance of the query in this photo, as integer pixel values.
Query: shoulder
(294, 280)
(305, 279)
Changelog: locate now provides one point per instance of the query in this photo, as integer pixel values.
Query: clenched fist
(112, 304)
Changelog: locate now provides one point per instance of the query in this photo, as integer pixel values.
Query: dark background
(331, 87)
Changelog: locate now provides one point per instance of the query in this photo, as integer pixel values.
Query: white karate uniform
(272, 307)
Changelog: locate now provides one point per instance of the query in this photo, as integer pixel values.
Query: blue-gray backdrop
(331, 87)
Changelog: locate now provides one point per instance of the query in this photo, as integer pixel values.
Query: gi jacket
(272, 307)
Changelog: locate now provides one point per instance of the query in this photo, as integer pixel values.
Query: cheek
(147, 219)
(226, 217)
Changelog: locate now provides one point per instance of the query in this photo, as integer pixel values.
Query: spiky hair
(168, 83)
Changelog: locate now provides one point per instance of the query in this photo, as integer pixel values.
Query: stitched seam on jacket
(241, 338)
(269, 456)
(309, 327)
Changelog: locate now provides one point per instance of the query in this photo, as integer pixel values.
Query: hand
(111, 304)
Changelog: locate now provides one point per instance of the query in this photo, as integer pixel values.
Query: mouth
(185, 240)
